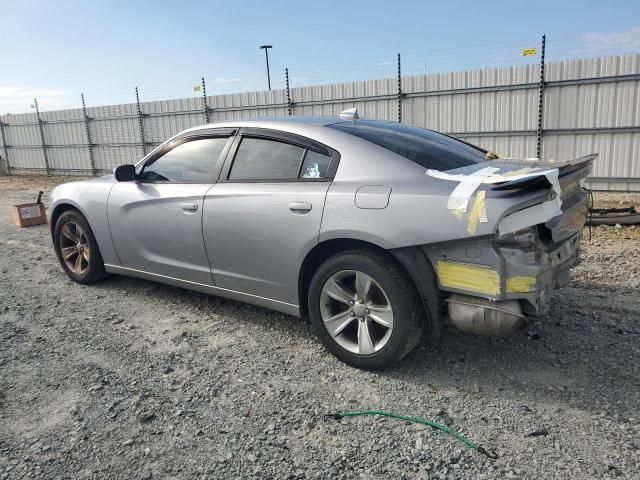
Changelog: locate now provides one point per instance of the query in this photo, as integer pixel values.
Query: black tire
(94, 265)
(408, 313)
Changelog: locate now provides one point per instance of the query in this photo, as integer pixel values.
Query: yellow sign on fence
(527, 52)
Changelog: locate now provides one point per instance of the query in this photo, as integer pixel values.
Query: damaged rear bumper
(531, 240)
(498, 282)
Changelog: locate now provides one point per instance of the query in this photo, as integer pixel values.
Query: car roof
(305, 125)
(318, 120)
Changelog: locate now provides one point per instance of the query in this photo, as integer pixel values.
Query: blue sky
(56, 49)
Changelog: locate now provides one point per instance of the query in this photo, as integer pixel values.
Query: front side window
(191, 161)
(265, 159)
(425, 147)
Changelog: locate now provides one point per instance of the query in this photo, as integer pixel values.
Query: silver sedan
(372, 229)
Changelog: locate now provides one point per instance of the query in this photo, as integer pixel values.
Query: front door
(264, 215)
(156, 220)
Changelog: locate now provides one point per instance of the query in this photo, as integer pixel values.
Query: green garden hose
(489, 453)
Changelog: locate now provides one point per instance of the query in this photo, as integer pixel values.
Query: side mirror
(124, 173)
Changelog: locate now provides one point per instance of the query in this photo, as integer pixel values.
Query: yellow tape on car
(520, 284)
(478, 213)
(464, 276)
(521, 171)
(457, 213)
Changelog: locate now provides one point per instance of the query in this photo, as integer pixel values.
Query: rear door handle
(300, 207)
(189, 207)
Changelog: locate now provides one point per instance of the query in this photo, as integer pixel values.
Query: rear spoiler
(580, 164)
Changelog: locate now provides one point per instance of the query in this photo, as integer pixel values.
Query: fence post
(540, 102)
(42, 139)
(289, 105)
(204, 102)
(5, 148)
(88, 134)
(399, 91)
(141, 124)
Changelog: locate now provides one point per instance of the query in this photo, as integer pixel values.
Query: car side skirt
(287, 308)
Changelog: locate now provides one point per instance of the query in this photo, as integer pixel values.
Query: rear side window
(265, 159)
(315, 165)
(425, 147)
(191, 161)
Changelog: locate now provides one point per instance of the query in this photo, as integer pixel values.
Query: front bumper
(523, 267)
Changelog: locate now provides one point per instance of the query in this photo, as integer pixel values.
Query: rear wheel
(365, 309)
(76, 248)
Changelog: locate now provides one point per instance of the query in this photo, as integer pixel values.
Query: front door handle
(189, 207)
(300, 207)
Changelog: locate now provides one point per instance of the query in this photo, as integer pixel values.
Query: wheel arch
(95, 263)
(412, 259)
(68, 205)
(417, 264)
(319, 254)
(59, 209)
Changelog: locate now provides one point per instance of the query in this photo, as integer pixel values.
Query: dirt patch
(616, 200)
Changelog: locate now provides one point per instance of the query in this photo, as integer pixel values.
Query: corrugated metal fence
(590, 105)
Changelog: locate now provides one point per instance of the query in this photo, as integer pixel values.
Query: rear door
(156, 220)
(264, 214)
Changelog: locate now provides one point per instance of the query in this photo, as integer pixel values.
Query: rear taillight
(524, 237)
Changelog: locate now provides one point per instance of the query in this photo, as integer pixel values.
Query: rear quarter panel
(416, 213)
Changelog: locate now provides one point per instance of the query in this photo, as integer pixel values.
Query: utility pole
(266, 56)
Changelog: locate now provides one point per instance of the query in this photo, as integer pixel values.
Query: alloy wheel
(74, 248)
(356, 312)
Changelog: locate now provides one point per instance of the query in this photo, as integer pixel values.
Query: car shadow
(212, 303)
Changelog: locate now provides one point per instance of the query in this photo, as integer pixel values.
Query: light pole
(266, 55)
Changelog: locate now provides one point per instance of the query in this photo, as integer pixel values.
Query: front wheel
(365, 309)
(77, 249)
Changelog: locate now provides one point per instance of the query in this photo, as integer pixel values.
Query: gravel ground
(132, 379)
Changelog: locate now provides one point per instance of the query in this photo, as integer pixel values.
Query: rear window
(265, 159)
(262, 159)
(425, 147)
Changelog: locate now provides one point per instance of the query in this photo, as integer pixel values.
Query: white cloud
(20, 99)
(617, 43)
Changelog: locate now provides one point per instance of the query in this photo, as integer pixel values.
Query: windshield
(425, 147)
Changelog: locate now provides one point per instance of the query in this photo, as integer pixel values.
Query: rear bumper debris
(523, 268)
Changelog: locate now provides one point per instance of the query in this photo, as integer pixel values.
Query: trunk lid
(574, 201)
(550, 191)
(569, 171)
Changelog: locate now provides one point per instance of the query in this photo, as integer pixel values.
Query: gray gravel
(132, 379)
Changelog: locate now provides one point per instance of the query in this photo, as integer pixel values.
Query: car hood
(104, 179)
